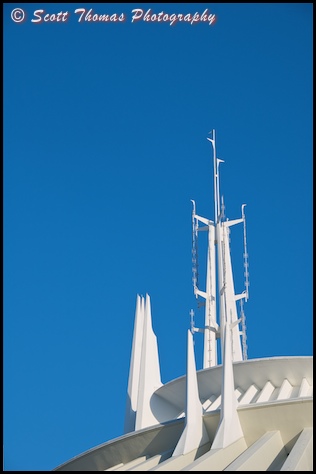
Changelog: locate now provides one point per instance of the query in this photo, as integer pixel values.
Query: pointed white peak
(134, 371)
(194, 434)
(229, 429)
(211, 326)
(230, 298)
(149, 377)
(136, 351)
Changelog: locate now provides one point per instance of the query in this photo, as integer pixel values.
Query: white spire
(229, 429)
(230, 298)
(144, 375)
(194, 434)
(149, 377)
(134, 372)
(211, 326)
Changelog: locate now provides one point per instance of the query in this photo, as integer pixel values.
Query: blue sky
(105, 128)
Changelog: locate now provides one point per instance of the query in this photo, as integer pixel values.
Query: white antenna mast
(227, 294)
(218, 228)
(218, 235)
(216, 162)
(210, 325)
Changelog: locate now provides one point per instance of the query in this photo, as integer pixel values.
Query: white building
(239, 415)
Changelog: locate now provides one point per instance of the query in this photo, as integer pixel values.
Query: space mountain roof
(241, 414)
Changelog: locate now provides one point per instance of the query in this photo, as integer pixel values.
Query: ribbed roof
(276, 420)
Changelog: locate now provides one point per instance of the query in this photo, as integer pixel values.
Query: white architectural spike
(210, 325)
(194, 434)
(149, 377)
(230, 295)
(210, 350)
(229, 429)
(134, 371)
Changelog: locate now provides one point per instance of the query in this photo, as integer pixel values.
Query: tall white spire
(144, 375)
(229, 429)
(230, 297)
(149, 377)
(194, 434)
(210, 325)
(134, 372)
(218, 236)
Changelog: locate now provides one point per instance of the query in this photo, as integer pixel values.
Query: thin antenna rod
(246, 263)
(215, 178)
(215, 169)
(194, 249)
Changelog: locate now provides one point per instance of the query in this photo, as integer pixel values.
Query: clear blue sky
(105, 130)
